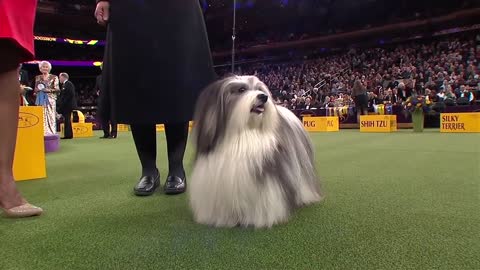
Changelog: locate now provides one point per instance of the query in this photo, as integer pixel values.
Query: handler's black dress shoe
(147, 185)
(175, 185)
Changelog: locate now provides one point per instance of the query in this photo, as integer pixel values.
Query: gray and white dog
(254, 161)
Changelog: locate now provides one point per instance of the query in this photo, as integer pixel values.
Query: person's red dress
(17, 19)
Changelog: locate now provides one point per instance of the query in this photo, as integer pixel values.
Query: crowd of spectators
(443, 70)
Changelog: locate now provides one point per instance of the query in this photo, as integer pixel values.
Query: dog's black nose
(262, 97)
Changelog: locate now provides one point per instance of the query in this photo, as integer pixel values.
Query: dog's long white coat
(225, 190)
(228, 191)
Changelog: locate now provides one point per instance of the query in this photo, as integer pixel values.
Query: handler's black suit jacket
(67, 101)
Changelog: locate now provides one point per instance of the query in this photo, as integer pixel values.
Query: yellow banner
(29, 161)
(122, 128)
(378, 123)
(161, 127)
(321, 124)
(459, 122)
(393, 122)
(80, 130)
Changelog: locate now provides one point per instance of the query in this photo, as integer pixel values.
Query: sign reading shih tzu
(254, 162)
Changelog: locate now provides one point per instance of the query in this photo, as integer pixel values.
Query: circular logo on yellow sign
(80, 129)
(26, 120)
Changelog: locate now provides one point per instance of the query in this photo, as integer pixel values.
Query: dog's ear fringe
(207, 109)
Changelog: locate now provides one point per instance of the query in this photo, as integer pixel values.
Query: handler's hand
(102, 12)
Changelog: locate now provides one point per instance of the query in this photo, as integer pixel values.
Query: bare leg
(11, 201)
(9, 102)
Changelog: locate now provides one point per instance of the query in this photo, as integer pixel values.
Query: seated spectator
(441, 94)
(467, 96)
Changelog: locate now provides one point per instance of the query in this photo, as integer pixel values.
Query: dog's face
(246, 101)
(232, 105)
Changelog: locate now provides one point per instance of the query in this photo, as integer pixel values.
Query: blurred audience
(444, 70)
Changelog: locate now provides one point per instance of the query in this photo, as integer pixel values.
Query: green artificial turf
(394, 201)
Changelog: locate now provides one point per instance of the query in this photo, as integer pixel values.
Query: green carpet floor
(394, 201)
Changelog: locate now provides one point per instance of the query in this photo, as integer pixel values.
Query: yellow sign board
(378, 123)
(161, 127)
(122, 128)
(80, 130)
(321, 124)
(459, 122)
(29, 160)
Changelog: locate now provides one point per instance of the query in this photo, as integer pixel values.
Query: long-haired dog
(254, 162)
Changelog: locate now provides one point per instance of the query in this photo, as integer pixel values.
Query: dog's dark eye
(242, 89)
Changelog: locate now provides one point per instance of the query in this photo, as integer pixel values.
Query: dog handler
(157, 60)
